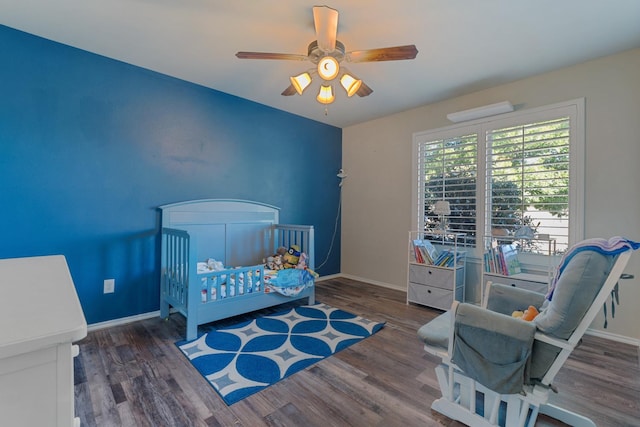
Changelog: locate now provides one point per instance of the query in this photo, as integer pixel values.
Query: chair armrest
(492, 348)
(556, 342)
(506, 299)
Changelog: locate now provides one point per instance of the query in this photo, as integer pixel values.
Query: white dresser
(40, 318)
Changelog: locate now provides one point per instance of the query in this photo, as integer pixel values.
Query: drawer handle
(429, 271)
(428, 291)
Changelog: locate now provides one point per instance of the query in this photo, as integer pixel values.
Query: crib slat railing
(175, 264)
(300, 235)
(231, 283)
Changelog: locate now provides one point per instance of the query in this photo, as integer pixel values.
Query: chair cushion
(436, 332)
(506, 299)
(574, 293)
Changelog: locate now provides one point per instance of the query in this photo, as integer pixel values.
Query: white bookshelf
(536, 258)
(435, 285)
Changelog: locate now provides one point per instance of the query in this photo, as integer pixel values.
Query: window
(449, 170)
(500, 174)
(528, 178)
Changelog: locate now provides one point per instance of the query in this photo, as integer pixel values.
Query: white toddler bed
(239, 235)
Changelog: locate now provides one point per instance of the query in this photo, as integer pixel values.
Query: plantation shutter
(528, 178)
(447, 170)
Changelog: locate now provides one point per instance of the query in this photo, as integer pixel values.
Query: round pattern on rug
(245, 358)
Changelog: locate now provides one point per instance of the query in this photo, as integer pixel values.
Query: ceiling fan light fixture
(328, 67)
(301, 82)
(325, 95)
(350, 83)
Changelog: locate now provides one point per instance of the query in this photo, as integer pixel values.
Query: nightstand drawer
(432, 296)
(434, 276)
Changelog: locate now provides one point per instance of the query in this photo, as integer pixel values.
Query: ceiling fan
(327, 53)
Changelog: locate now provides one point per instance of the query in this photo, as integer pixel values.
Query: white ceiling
(464, 45)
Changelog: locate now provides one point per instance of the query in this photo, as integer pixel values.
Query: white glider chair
(498, 370)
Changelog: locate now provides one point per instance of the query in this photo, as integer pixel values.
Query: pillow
(575, 290)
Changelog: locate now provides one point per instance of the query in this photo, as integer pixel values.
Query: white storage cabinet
(536, 268)
(437, 286)
(40, 319)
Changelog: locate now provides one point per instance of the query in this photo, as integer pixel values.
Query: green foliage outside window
(528, 172)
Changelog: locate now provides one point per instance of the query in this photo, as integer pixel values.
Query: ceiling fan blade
(364, 90)
(269, 55)
(396, 53)
(326, 23)
(289, 91)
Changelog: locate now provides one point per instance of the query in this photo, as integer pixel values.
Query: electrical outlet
(109, 286)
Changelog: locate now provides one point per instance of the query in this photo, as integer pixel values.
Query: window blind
(447, 170)
(528, 177)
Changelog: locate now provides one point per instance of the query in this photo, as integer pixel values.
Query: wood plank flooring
(134, 375)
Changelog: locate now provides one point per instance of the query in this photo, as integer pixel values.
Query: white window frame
(574, 109)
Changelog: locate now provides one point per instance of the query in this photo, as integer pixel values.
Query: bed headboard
(236, 232)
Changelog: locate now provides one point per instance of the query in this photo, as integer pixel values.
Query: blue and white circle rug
(243, 359)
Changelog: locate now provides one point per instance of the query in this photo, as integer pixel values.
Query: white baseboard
(143, 316)
(593, 332)
(613, 337)
(373, 282)
(122, 321)
(328, 277)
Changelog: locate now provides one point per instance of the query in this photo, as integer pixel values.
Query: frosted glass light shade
(326, 96)
(350, 84)
(328, 68)
(301, 82)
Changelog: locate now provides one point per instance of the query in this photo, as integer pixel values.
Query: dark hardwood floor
(134, 375)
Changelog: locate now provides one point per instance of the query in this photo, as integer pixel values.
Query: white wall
(376, 212)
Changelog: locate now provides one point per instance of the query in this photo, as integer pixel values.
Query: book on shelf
(511, 262)
(502, 259)
(424, 251)
(447, 258)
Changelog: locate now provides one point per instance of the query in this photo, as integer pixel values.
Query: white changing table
(40, 318)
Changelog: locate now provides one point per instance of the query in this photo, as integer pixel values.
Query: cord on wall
(342, 175)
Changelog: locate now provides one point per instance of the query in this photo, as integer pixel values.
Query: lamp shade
(301, 82)
(442, 207)
(326, 96)
(328, 68)
(350, 83)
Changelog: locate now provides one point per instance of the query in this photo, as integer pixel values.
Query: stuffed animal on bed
(292, 257)
(275, 261)
(269, 263)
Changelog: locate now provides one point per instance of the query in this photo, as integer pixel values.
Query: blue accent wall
(90, 147)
